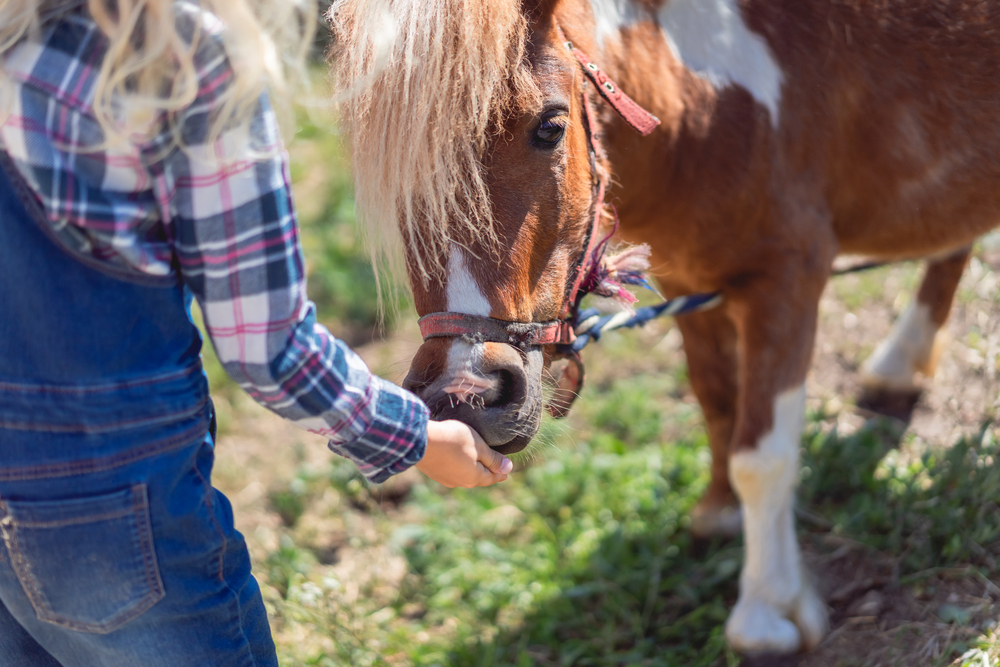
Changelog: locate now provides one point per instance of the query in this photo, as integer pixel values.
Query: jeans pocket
(85, 563)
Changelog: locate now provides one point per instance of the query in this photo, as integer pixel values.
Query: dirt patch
(881, 620)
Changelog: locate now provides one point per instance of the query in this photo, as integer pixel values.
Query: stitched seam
(105, 627)
(113, 426)
(43, 610)
(98, 628)
(215, 522)
(110, 386)
(22, 569)
(146, 548)
(98, 465)
(75, 521)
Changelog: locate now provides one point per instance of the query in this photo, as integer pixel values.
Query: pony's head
(471, 149)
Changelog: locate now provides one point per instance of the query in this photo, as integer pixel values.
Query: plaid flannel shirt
(220, 212)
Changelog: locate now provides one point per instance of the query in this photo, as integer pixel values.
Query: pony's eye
(549, 133)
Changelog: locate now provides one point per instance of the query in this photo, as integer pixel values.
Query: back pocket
(85, 563)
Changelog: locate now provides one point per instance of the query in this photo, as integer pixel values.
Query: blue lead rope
(590, 324)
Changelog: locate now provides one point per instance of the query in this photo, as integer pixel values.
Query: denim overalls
(116, 549)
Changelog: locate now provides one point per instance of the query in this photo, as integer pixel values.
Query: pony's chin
(506, 427)
(505, 430)
(514, 446)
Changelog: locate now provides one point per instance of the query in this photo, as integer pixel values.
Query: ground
(582, 557)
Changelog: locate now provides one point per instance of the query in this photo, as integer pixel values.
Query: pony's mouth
(507, 429)
(503, 405)
(514, 446)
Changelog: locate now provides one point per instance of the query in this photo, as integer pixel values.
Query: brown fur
(885, 146)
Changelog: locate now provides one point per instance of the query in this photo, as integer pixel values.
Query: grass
(583, 557)
(935, 510)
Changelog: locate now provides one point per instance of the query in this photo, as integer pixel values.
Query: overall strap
(33, 208)
(82, 349)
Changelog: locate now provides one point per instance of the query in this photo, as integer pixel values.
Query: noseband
(561, 332)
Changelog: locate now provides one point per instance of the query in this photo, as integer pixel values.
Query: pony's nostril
(510, 388)
(502, 394)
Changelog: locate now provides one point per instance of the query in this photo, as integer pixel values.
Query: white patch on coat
(463, 293)
(711, 38)
(905, 351)
(464, 296)
(777, 612)
(611, 16)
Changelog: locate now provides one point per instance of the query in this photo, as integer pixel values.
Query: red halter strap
(481, 329)
(477, 328)
(641, 120)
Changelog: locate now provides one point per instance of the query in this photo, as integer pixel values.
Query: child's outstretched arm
(234, 231)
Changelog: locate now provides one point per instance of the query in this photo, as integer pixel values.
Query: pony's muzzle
(493, 387)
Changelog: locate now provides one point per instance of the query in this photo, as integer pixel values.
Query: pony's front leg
(777, 610)
(710, 347)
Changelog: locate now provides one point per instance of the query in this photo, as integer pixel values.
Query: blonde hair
(421, 85)
(149, 68)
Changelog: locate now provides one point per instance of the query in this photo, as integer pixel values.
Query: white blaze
(464, 296)
(906, 350)
(463, 293)
(711, 38)
(776, 611)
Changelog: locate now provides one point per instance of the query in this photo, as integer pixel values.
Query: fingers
(494, 461)
(493, 465)
(488, 478)
(457, 456)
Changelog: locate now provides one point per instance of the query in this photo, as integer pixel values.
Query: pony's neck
(693, 42)
(683, 63)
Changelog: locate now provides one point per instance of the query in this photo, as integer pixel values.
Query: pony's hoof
(810, 617)
(758, 627)
(897, 403)
(714, 520)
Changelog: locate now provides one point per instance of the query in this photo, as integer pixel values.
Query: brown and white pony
(791, 131)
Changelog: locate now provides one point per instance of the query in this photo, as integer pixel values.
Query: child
(140, 167)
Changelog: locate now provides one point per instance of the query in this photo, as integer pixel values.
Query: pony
(787, 133)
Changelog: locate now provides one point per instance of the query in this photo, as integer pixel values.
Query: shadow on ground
(903, 547)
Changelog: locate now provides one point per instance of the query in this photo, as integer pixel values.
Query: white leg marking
(464, 295)
(777, 611)
(711, 38)
(906, 351)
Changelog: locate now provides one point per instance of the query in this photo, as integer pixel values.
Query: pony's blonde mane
(149, 66)
(421, 86)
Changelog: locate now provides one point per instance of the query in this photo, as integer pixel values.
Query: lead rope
(590, 325)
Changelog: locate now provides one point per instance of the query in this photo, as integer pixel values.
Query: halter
(565, 333)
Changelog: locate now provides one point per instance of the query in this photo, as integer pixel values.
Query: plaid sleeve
(235, 235)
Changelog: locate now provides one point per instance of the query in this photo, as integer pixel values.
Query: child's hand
(457, 456)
